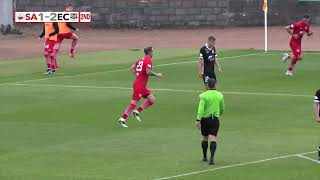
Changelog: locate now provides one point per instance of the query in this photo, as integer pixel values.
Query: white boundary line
(155, 89)
(234, 165)
(120, 70)
(310, 159)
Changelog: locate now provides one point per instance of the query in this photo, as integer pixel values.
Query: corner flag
(265, 6)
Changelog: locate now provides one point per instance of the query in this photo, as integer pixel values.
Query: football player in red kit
(142, 69)
(296, 30)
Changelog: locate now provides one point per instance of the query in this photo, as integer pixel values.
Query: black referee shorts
(210, 126)
(205, 77)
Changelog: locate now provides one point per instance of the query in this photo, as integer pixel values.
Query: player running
(50, 32)
(143, 69)
(317, 112)
(207, 61)
(296, 30)
(66, 33)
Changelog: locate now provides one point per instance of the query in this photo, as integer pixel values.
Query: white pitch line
(158, 89)
(119, 70)
(305, 157)
(231, 166)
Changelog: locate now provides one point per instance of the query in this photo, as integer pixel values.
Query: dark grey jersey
(209, 57)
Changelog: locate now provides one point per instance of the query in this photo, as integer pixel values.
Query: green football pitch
(64, 126)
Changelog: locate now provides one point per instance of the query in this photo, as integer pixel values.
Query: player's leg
(46, 55)
(48, 60)
(135, 99)
(213, 132)
(205, 81)
(57, 47)
(149, 101)
(52, 56)
(294, 56)
(205, 134)
(213, 146)
(74, 38)
(204, 145)
(126, 113)
(287, 56)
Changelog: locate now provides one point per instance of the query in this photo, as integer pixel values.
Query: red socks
(293, 63)
(145, 105)
(129, 109)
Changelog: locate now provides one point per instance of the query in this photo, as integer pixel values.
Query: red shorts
(63, 36)
(296, 48)
(139, 93)
(49, 45)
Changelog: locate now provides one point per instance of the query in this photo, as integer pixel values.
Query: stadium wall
(166, 13)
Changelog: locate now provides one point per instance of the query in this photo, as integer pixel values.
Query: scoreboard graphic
(37, 17)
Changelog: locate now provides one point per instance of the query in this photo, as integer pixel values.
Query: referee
(317, 112)
(211, 107)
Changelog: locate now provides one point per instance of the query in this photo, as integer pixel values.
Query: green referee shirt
(211, 103)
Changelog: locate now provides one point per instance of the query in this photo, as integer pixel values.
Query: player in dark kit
(207, 61)
(317, 112)
(142, 69)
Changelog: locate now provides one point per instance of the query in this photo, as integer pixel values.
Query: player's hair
(306, 16)
(211, 38)
(148, 50)
(69, 4)
(211, 83)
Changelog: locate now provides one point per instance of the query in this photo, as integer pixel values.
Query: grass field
(64, 127)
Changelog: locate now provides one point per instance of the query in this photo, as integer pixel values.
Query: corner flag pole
(265, 9)
(265, 32)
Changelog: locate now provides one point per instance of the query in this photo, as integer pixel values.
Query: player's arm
(200, 64)
(200, 111)
(133, 68)
(151, 73)
(43, 32)
(56, 29)
(218, 65)
(289, 31)
(72, 27)
(200, 67)
(317, 106)
(309, 33)
(316, 111)
(222, 107)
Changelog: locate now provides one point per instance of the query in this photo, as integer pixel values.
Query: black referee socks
(204, 145)
(213, 147)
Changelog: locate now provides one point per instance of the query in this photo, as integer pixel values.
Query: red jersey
(141, 72)
(300, 29)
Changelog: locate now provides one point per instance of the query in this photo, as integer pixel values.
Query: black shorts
(210, 126)
(205, 77)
